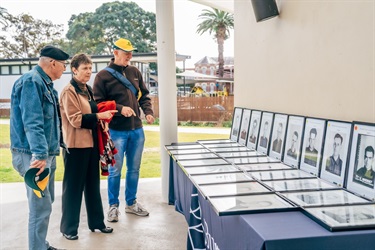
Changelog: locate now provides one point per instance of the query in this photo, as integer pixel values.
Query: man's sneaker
(113, 214)
(137, 209)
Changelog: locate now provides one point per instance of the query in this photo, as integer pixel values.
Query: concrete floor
(163, 229)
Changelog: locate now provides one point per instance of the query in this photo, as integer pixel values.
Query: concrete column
(167, 85)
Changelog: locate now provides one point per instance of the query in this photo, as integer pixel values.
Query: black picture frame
(241, 154)
(201, 179)
(254, 127)
(300, 184)
(336, 151)
(250, 204)
(244, 129)
(252, 160)
(202, 162)
(293, 141)
(362, 157)
(287, 174)
(341, 218)
(263, 167)
(183, 157)
(236, 123)
(280, 123)
(265, 132)
(324, 198)
(214, 169)
(232, 189)
(313, 141)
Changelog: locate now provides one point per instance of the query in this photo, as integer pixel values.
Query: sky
(187, 41)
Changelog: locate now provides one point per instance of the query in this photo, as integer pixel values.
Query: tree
(219, 23)
(24, 36)
(95, 33)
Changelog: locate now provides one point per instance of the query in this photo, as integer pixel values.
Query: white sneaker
(113, 214)
(137, 209)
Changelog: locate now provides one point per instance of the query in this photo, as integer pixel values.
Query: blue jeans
(129, 143)
(39, 208)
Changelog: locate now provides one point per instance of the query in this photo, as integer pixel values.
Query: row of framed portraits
(337, 151)
(238, 180)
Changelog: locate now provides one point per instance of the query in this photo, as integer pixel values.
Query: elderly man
(123, 83)
(35, 135)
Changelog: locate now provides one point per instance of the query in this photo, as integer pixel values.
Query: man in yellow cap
(35, 136)
(123, 83)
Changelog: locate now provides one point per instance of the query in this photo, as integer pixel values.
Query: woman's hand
(106, 114)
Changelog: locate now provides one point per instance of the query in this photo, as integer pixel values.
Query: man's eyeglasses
(63, 62)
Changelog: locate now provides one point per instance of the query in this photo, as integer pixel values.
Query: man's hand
(127, 111)
(150, 119)
(41, 164)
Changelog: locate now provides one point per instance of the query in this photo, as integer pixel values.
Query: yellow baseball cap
(124, 44)
(37, 182)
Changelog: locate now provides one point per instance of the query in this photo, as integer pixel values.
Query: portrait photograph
(246, 204)
(324, 198)
(265, 132)
(335, 154)
(293, 140)
(312, 145)
(277, 141)
(361, 170)
(339, 218)
(236, 123)
(254, 129)
(244, 128)
(281, 175)
(226, 189)
(262, 166)
(300, 184)
(220, 178)
(211, 169)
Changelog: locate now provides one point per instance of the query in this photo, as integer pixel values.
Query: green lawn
(150, 160)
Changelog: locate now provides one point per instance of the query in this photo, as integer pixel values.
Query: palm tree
(220, 23)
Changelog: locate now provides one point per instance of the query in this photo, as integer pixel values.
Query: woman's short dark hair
(79, 59)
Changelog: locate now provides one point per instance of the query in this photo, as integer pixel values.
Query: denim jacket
(34, 116)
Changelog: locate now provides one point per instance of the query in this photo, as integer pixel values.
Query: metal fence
(215, 109)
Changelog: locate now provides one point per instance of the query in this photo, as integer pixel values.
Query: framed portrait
(300, 184)
(236, 123)
(280, 122)
(263, 167)
(247, 204)
(202, 162)
(361, 170)
(252, 160)
(223, 145)
(241, 154)
(230, 149)
(184, 146)
(293, 141)
(189, 151)
(347, 217)
(215, 169)
(312, 145)
(324, 198)
(265, 132)
(216, 141)
(281, 175)
(244, 128)
(220, 178)
(336, 150)
(195, 156)
(229, 189)
(254, 126)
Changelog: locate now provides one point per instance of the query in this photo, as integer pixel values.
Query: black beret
(54, 53)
